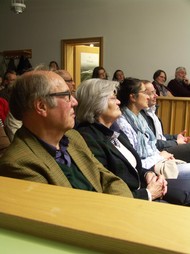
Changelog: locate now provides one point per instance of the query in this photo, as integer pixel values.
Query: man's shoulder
(74, 137)
(173, 82)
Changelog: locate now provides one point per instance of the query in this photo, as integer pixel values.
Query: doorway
(80, 56)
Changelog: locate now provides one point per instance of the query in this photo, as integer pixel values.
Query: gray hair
(30, 87)
(92, 96)
(180, 69)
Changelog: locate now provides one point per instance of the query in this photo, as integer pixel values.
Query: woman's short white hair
(92, 96)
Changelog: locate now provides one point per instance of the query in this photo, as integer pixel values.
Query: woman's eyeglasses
(144, 92)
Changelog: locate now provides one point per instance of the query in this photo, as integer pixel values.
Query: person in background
(175, 144)
(1, 83)
(8, 80)
(53, 66)
(99, 72)
(46, 149)
(11, 125)
(4, 141)
(118, 76)
(96, 114)
(68, 79)
(160, 78)
(180, 86)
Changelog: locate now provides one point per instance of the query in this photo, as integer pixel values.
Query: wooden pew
(99, 222)
(175, 114)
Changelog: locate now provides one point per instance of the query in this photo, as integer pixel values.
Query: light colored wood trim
(173, 98)
(68, 53)
(106, 223)
(175, 114)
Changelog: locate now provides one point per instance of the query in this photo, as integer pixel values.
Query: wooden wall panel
(174, 113)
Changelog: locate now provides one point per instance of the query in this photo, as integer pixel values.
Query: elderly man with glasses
(68, 79)
(46, 149)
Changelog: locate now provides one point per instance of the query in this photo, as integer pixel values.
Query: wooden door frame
(66, 54)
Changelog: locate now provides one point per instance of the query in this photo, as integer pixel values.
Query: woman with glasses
(160, 78)
(68, 79)
(97, 110)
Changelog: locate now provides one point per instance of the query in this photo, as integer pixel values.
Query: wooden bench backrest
(106, 223)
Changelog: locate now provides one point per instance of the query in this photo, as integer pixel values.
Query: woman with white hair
(97, 111)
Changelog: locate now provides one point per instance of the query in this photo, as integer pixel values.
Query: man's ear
(40, 107)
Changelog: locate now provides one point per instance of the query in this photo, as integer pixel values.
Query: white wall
(140, 36)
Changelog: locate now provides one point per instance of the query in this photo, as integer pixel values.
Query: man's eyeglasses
(144, 92)
(61, 94)
(68, 80)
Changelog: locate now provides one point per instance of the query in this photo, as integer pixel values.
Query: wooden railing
(175, 114)
(101, 222)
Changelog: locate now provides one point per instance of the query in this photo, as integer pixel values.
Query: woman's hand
(181, 139)
(157, 187)
(166, 155)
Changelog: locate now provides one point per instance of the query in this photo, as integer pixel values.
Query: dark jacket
(178, 88)
(98, 138)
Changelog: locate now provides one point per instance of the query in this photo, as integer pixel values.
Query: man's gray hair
(29, 87)
(180, 69)
(92, 96)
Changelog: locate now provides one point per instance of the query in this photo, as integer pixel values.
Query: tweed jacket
(98, 138)
(27, 159)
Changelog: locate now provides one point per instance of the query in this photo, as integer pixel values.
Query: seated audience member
(99, 72)
(118, 76)
(180, 86)
(160, 78)
(68, 79)
(24, 65)
(110, 146)
(175, 144)
(1, 83)
(133, 96)
(4, 141)
(53, 66)
(45, 149)
(11, 125)
(8, 80)
(96, 113)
